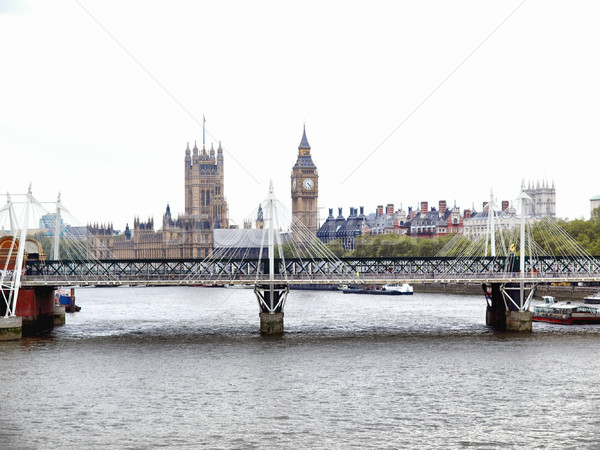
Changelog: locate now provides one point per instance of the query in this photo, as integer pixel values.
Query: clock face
(308, 184)
(294, 183)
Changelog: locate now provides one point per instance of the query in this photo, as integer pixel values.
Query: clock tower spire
(305, 186)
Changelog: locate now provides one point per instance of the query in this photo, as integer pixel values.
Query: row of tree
(69, 249)
(390, 246)
(586, 233)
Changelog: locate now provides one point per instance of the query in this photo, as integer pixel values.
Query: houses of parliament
(192, 234)
(305, 187)
(189, 235)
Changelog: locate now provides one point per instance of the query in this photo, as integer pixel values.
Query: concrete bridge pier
(58, 315)
(271, 299)
(35, 312)
(36, 307)
(271, 323)
(518, 316)
(519, 321)
(495, 314)
(11, 328)
(502, 314)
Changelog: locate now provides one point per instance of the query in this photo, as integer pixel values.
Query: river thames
(187, 367)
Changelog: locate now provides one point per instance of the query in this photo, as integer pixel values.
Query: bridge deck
(294, 271)
(368, 279)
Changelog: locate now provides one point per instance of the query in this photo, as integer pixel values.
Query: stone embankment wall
(561, 293)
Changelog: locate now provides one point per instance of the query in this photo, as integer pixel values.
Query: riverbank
(568, 293)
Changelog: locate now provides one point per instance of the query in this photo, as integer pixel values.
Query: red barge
(567, 313)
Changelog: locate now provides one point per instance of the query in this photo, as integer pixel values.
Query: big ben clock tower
(305, 187)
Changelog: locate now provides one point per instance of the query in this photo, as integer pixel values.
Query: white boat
(593, 299)
(567, 313)
(404, 288)
(239, 286)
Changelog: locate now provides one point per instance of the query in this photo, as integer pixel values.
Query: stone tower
(305, 187)
(204, 182)
(205, 204)
(190, 235)
(544, 199)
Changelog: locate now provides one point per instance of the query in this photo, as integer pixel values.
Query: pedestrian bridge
(509, 263)
(550, 269)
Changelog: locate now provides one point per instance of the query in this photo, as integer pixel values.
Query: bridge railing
(189, 272)
(157, 279)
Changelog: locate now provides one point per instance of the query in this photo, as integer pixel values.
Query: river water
(187, 367)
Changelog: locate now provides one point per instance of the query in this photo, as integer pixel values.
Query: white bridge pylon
(12, 270)
(525, 293)
(271, 297)
(19, 218)
(279, 237)
(283, 251)
(524, 246)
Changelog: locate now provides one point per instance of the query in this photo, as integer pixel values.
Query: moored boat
(66, 298)
(388, 289)
(565, 312)
(314, 287)
(239, 286)
(404, 288)
(593, 299)
(208, 285)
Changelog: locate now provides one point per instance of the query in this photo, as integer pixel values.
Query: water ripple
(177, 367)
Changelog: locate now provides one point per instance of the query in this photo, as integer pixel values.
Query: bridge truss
(290, 254)
(299, 271)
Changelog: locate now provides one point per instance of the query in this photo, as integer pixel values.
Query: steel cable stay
(242, 256)
(70, 257)
(300, 255)
(81, 254)
(547, 251)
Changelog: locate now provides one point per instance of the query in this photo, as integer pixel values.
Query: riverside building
(424, 223)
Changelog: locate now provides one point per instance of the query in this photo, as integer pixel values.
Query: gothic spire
(304, 143)
(195, 154)
(187, 153)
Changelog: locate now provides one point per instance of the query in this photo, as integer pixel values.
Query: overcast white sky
(450, 99)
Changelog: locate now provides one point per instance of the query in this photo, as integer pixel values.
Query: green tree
(336, 248)
(45, 241)
(396, 246)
